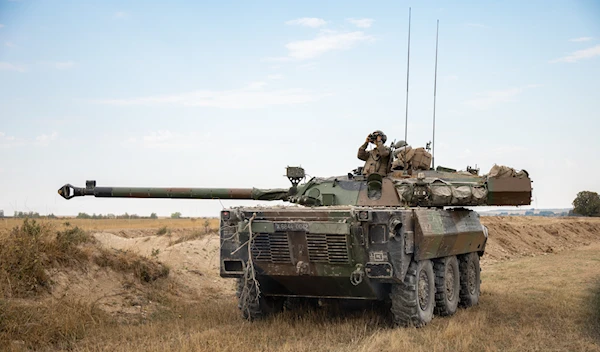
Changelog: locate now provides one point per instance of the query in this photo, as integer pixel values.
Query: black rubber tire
(447, 285)
(470, 279)
(414, 299)
(256, 306)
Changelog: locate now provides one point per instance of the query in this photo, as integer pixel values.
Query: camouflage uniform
(377, 160)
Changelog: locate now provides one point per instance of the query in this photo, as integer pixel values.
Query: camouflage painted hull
(341, 252)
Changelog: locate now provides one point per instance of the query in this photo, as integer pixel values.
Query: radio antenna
(407, 75)
(434, 92)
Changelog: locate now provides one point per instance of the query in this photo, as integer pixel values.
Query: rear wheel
(414, 299)
(470, 279)
(253, 304)
(447, 285)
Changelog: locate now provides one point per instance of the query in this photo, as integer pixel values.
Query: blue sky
(205, 94)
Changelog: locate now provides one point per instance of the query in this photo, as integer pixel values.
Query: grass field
(548, 302)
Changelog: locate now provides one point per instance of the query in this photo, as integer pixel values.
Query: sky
(229, 93)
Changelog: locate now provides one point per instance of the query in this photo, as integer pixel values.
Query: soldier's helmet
(400, 144)
(379, 133)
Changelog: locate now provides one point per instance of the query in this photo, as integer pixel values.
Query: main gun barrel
(68, 191)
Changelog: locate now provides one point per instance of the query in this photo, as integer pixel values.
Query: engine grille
(322, 248)
(273, 248)
(327, 248)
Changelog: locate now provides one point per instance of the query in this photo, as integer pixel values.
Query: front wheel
(414, 299)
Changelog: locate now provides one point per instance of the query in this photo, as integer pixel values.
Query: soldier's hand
(368, 139)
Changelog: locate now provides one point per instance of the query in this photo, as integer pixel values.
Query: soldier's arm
(362, 151)
(382, 149)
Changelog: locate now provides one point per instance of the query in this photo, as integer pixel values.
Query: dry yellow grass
(543, 303)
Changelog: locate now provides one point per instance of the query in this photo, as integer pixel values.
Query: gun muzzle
(69, 191)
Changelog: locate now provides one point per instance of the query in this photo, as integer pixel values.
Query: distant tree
(176, 215)
(546, 213)
(31, 214)
(587, 204)
(153, 216)
(529, 213)
(83, 216)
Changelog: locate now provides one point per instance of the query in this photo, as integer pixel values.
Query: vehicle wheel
(470, 279)
(447, 285)
(253, 304)
(414, 299)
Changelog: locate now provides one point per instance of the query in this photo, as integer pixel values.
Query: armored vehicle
(405, 237)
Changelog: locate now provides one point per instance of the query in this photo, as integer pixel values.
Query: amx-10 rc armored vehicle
(405, 238)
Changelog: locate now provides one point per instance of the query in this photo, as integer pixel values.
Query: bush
(28, 251)
(176, 215)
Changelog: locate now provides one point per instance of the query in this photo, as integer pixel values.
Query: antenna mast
(407, 73)
(434, 92)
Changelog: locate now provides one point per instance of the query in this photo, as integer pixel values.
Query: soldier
(376, 160)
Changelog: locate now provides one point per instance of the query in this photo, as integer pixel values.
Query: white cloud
(362, 22)
(579, 55)
(275, 76)
(45, 139)
(311, 22)
(324, 42)
(120, 15)
(64, 65)
(487, 100)
(7, 66)
(9, 44)
(251, 97)
(581, 39)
